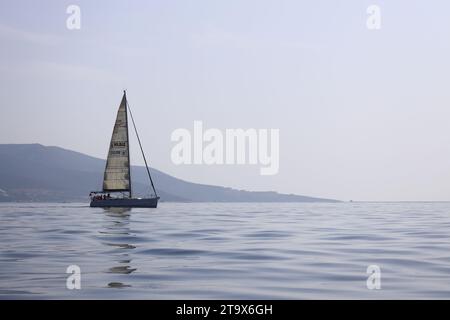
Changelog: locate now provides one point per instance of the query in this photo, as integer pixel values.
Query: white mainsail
(117, 171)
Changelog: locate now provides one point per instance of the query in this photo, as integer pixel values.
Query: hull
(125, 203)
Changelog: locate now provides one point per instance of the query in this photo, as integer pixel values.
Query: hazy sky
(363, 114)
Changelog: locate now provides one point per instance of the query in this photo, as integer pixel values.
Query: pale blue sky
(362, 114)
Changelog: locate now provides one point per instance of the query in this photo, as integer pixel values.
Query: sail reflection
(117, 211)
(122, 269)
(118, 235)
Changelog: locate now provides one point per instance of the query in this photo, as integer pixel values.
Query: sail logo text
(119, 144)
(234, 146)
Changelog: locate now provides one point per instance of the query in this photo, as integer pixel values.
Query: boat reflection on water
(117, 211)
(117, 233)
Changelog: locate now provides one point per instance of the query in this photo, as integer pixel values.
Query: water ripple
(226, 251)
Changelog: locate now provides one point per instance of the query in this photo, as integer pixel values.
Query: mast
(142, 151)
(128, 139)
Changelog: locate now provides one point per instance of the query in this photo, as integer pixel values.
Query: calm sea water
(222, 251)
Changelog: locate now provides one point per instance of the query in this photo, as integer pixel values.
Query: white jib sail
(117, 171)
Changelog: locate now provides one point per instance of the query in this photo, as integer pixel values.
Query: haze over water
(223, 250)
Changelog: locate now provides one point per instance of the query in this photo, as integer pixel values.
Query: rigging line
(142, 150)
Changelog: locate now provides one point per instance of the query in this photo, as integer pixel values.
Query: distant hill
(33, 172)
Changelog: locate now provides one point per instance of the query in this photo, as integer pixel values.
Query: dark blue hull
(125, 203)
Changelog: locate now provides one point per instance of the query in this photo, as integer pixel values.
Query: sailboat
(117, 176)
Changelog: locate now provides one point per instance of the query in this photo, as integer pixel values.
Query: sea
(348, 250)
